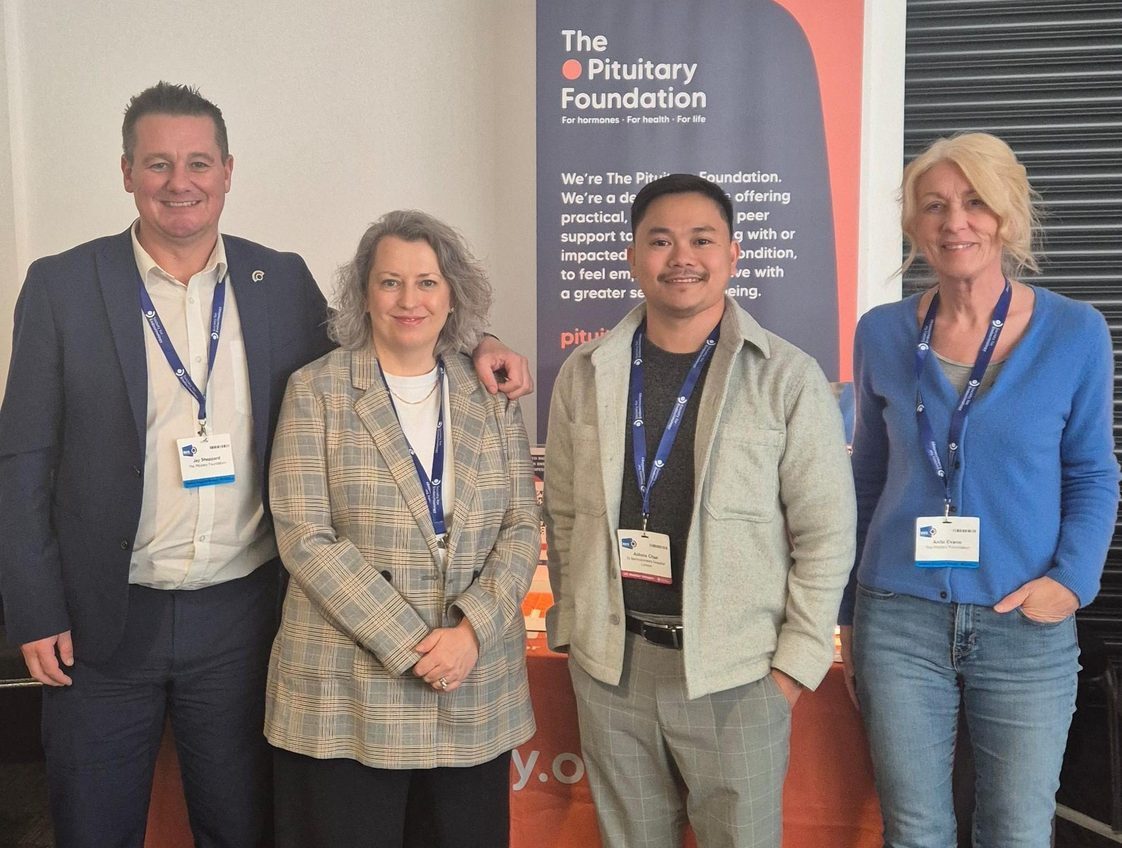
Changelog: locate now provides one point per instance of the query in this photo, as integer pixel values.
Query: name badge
(947, 541)
(644, 555)
(206, 462)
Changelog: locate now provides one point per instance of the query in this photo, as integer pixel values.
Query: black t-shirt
(672, 498)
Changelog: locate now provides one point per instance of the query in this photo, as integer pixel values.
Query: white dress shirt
(192, 538)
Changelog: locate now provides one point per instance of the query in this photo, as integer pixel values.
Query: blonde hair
(991, 167)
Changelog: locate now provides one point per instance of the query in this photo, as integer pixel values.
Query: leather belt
(664, 635)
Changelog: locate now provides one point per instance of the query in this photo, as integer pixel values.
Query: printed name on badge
(947, 541)
(206, 462)
(644, 555)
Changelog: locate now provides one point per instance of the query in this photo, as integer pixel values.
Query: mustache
(700, 276)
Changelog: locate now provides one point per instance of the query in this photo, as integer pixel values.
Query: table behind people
(987, 496)
(828, 794)
(406, 515)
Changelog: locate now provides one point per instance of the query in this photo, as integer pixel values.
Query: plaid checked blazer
(366, 582)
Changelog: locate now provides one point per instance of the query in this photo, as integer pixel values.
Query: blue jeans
(916, 661)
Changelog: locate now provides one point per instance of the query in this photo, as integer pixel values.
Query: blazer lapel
(119, 280)
(377, 415)
(468, 422)
(252, 296)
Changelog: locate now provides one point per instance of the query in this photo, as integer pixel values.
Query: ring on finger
(442, 683)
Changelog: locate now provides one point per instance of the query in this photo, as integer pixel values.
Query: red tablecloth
(829, 801)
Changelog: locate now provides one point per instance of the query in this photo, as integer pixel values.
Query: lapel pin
(257, 276)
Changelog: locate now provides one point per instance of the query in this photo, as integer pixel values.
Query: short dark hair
(679, 184)
(165, 98)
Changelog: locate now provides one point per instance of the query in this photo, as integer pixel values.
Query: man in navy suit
(137, 562)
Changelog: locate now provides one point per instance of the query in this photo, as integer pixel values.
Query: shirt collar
(146, 265)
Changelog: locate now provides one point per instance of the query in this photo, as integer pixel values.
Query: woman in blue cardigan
(987, 492)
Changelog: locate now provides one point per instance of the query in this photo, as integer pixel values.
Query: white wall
(882, 153)
(10, 268)
(337, 112)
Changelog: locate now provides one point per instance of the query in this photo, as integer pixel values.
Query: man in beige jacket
(700, 513)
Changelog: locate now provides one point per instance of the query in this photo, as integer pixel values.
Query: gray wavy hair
(349, 324)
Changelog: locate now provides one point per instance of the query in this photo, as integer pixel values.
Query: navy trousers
(198, 658)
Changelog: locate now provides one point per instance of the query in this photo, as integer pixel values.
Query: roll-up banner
(761, 97)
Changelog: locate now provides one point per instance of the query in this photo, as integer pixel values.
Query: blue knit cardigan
(1036, 461)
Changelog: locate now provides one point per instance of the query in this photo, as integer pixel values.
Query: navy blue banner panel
(630, 90)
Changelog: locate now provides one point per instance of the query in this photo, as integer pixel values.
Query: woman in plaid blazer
(404, 508)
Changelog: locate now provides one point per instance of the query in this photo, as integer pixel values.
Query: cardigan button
(613, 618)
(387, 576)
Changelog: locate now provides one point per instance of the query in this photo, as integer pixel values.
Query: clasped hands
(449, 655)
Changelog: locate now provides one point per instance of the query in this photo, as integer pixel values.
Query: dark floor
(23, 786)
(23, 807)
(1069, 835)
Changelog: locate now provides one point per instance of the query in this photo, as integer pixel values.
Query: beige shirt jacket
(367, 585)
(771, 538)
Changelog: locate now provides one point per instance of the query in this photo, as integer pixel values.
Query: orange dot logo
(571, 70)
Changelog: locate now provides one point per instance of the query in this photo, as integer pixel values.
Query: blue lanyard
(148, 308)
(635, 404)
(958, 417)
(432, 487)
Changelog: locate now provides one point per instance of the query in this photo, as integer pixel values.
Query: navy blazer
(72, 424)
